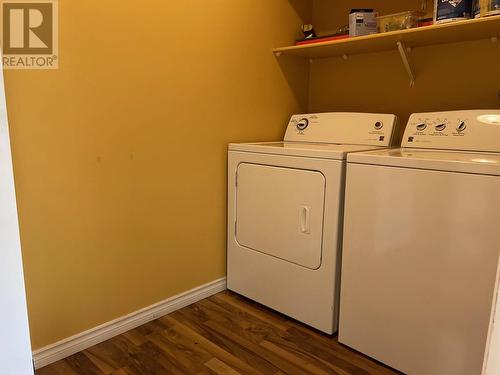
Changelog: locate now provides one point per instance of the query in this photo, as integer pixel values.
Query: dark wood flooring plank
(258, 350)
(190, 358)
(211, 344)
(58, 368)
(107, 352)
(81, 364)
(269, 316)
(237, 321)
(135, 337)
(317, 354)
(100, 364)
(245, 354)
(123, 371)
(136, 359)
(148, 328)
(171, 364)
(220, 368)
(121, 353)
(299, 361)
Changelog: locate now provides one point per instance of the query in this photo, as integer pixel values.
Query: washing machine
(421, 245)
(285, 203)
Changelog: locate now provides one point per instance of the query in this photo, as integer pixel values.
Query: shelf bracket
(406, 62)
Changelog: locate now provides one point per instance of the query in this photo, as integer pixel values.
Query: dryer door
(279, 212)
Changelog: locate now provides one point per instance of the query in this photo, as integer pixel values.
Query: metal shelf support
(406, 62)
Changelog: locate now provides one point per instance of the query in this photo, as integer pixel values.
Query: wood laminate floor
(225, 334)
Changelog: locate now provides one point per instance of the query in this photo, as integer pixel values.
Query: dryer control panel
(342, 127)
(475, 130)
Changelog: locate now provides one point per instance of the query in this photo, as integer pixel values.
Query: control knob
(421, 127)
(440, 127)
(303, 124)
(461, 126)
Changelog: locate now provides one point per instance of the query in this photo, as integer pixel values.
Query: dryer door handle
(305, 219)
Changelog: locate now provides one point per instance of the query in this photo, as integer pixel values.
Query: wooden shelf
(482, 28)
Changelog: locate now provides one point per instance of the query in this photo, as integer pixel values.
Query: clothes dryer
(285, 204)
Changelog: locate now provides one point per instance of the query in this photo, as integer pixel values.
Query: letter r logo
(27, 28)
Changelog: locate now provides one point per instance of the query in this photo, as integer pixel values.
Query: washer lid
(453, 161)
(304, 149)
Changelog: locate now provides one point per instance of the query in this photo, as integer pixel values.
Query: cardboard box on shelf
(362, 22)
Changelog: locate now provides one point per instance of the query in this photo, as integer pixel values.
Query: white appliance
(421, 245)
(15, 347)
(285, 203)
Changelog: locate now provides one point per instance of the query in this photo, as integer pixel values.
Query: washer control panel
(342, 127)
(475, 130)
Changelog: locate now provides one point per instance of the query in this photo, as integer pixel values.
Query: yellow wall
(120, 154)
(449, 77)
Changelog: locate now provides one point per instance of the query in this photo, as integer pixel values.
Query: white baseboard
(74, 344)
